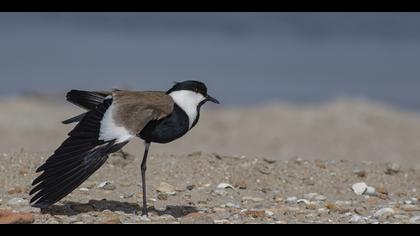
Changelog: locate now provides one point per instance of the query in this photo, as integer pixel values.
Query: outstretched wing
(75, 160)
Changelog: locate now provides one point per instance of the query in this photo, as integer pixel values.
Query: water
(245, 58)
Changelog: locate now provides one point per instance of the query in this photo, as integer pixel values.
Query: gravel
(200, 188)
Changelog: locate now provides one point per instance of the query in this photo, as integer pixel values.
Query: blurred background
(313, 85)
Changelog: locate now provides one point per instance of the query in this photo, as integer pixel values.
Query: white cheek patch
(188, 101)
(110, 131)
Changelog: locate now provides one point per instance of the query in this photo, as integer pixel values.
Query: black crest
(192, 85)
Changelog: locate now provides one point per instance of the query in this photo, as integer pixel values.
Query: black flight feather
(75, 160)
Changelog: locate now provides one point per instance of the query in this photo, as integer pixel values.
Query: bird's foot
(145, 216)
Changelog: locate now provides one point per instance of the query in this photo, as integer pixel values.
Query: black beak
(212, 99)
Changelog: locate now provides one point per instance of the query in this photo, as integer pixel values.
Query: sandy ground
(189, 189)
(340, 130)
(275, 158)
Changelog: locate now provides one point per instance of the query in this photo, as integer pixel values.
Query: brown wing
(135, 109)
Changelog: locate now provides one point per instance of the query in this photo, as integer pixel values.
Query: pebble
(320, 164)
(278, 199)
(384, 213)
(190, 187)
(306, 202)
(269, 213)
(84, 190)
(310, 181)
(255, 213)
(314, 196)
(222, 222)
(8, 217)
(415, 219)
(78, 223)
(17, 202)
(127, 195)
(114, 221)
(52, 221)
(356, 219)
(167, 217)
(241, 184)
(166, 189)
(220, 192)
(360, 173)
(231, 205)
(225, 186)
(370, 191)
(253, 199)
(361, 211)
(297, 160)
(359, 188)
(269, 161)
(15, 190)
(392, 169)
(106, 185)
(382, 190)
(336, 208)
(311, 206)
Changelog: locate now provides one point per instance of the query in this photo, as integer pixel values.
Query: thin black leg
(143, 177)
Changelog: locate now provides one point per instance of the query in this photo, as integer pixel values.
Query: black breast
(167, 129)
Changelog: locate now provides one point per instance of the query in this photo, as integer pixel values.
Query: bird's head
(191, 92)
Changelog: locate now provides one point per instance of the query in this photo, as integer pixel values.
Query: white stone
(225, 186)
(269, 213)
(384, 212)
(106, 185)
(306, 202)
(219, 191)
(17, 202)
(166, 189)
(356, 219)
(371, 191)
(359, 188)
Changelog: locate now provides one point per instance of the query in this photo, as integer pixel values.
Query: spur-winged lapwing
(111, 121)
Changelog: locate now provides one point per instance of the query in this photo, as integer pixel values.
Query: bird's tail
(85, 99)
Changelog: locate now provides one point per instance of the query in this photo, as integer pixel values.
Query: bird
(112, 119)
